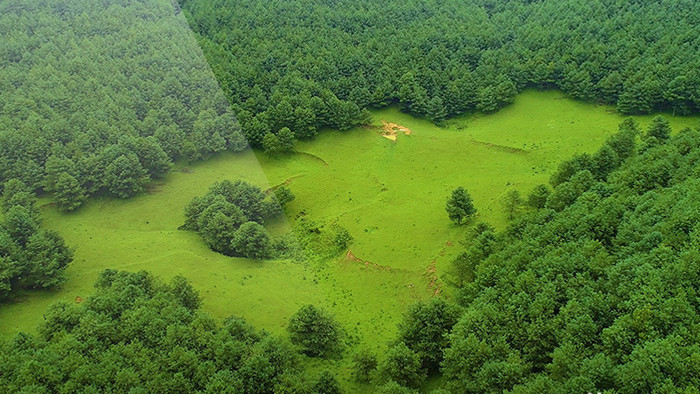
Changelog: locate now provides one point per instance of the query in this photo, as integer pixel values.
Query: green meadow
(390, 195)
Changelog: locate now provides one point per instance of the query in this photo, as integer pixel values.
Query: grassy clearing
(389, 195)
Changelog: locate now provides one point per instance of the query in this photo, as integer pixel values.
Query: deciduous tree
(459, 206)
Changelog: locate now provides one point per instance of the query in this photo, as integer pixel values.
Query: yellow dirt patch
(391, 130)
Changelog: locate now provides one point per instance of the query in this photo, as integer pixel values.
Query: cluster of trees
(30, 257)
(138, 334)
(306, 65)
(102, 97)
(283, 141)
(594, 289)
(417, 352)
(229, 217)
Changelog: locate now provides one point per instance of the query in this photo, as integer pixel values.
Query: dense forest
(307, 65)
(597, 290)
(138, 334)
(102, 96)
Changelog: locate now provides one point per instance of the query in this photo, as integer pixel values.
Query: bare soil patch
(431, 275)
(351, 257)
(392, 130)
(285, 183)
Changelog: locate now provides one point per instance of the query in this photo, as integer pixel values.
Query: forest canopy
(103, 96)
(138, 334)
(595, 291)
(308, 65)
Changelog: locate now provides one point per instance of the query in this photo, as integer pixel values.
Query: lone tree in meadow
(512, 202)
(459, 206)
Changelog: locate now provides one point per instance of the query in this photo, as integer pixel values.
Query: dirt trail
(351, 257)
(285, 183)
(312, 156)
(430, 274)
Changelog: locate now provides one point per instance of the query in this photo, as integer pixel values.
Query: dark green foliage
(251, 240)
(364, 365)
(279, 199)
(247, 197)
(659, 129)
(16, 193)
(342, 238)
(20, 225)
(308, 66)
(480, 247)
(604, 162)
(566, 193)
(70, 194)
(47, 257)
(125, 176)
(391, 387)
(624, 141)
(436, 110)
(137, 334)
(425, 329)
(326, 384)
(598, 295)
(218, 231)
(315, 331)
(29, 256)
(568, 168)
(286, 138)
(459, 206)
(538, 196)
(184, 293)
(403, 366)
(83, 78)
(655, 171)
(151, 155)
(228, 218)
(284, 196)
(658, 133)
(271, 144)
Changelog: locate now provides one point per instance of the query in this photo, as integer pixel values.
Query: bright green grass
(389, 195)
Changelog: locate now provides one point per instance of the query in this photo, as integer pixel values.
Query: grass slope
(389, 195)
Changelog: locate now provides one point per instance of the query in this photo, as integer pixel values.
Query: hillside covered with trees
(309, 65)
(138, 334)
(101, 97)
(595, 291)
